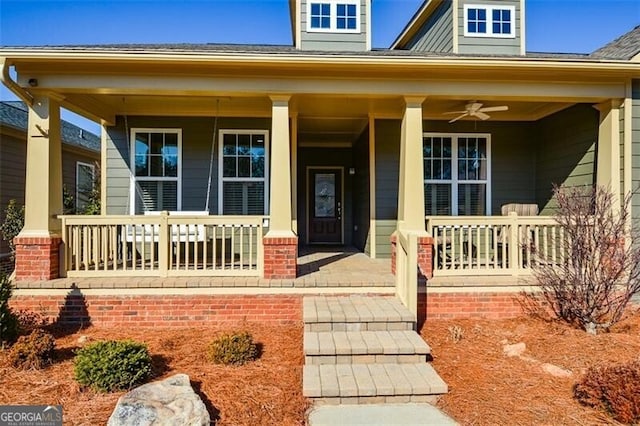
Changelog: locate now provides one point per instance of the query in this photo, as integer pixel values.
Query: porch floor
(317, 267)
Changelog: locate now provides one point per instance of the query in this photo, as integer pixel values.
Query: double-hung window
(489, 21)
(457, 174)
(243, 187)
(156, 177)
(333, 16)
(85, 181)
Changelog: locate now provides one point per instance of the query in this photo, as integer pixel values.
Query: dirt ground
(486, 386)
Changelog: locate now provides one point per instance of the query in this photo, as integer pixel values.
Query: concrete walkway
(379, 415)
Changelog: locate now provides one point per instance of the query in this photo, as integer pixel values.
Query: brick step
(356, 313)
(364, 347)
(372, 383)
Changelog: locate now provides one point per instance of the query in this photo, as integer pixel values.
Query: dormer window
(320, 15)
(489, 21)
(334, 16)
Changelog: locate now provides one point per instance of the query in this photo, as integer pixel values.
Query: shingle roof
(15, 114)
(625, 47)
(276, 50)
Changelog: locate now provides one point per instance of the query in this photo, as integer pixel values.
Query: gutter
(5, 78)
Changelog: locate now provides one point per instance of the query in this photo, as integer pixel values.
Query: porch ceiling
(322, 119)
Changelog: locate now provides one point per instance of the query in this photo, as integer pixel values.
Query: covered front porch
(215, 176)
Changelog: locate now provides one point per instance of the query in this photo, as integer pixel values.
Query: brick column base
(394, 249)
(280, 257)
(425, 256)
(37, 258)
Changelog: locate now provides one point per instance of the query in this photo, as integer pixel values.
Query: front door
(325, 206)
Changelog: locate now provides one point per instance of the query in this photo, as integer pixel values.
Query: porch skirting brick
(425, 255)
(37, 258)
(280, 257)
(489, 305)
(165, 311)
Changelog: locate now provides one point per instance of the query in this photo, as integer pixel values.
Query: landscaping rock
(514, 350)
(171, 401)
(556, 371)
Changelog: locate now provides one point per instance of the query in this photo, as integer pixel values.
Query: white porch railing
(493, 245)
(162, 245)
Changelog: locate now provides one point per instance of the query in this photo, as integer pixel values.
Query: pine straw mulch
(265, 392)
(488, 388)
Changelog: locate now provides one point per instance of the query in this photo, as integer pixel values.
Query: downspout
(5, 78)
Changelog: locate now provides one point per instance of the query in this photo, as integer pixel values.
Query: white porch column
(38, 244)
(608, 148)
(280, 188)
(43, 185)
(411, 216)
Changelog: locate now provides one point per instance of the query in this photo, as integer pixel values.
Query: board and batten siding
(566, 152)
(361, 194)
(436, 35)
(490, 45)
(197, 135)
(635, 141)
(387, 174)
(333, 41)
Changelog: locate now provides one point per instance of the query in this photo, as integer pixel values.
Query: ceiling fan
(475, 109)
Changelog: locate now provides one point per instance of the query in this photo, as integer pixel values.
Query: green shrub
(8, 319)
(112, 365)
(34, 351)
(235, 348)
(615, 389)
(12, 223)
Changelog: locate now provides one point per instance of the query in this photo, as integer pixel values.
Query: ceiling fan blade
(455, 112)
(466, 113)
(494, 109)
(481, 115)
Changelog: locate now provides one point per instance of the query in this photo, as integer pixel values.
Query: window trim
(132, 165)
(333, 17)
(221, 179)
(93, 177)
(489, 9)
(454, 181)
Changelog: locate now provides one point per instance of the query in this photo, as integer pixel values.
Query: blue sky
(569, 26)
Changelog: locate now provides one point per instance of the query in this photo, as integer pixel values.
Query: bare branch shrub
(600, 267)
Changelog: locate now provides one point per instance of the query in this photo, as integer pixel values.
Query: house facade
(225, 159)
(80, 158)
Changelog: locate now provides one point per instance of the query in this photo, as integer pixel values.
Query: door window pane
(325, 195)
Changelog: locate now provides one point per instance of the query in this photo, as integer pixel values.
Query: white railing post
(514, 243)
(64, 250)
(164, 244)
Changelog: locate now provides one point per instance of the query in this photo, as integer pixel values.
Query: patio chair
(521, 209)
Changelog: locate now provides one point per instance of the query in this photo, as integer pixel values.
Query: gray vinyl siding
(70, 159)
(13, 157)
(387, 176)
(197, 135)
(13, 153)
(361, 190)
(325, 157)
(336, 41)
(489, 45)
(635, 140)
(436, 35)
(512, 159)
(566, 152)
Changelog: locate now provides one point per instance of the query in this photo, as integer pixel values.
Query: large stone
(171, 401)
